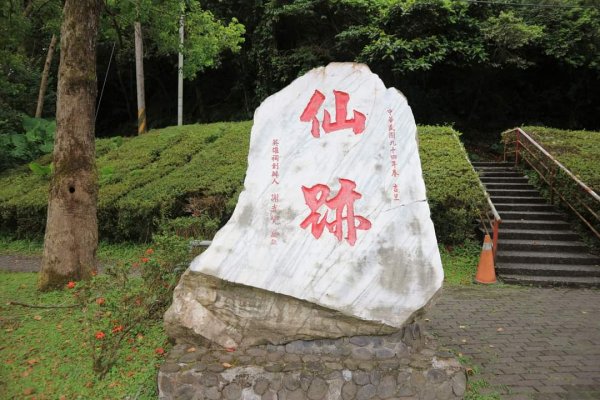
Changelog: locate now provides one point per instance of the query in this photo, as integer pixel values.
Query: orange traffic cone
(485, 269)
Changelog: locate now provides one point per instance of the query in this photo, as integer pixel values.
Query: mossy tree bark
(72, 229)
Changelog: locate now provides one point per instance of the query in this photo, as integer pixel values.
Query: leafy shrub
(36, 139)
(122, 303)
(198, 170)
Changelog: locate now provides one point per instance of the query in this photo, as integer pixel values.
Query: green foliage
(460, 262)
(198, 171)
(205, 36)
(143, 181)
(509, 34)
(49, 352)
(40, 170)
(25, 34)
(37, 139)
(481, 67)
(121, 306)
(454, 195)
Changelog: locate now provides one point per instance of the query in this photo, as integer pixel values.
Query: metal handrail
(496, 221)
(519, 143)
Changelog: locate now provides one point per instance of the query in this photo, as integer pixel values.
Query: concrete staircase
(536, 245)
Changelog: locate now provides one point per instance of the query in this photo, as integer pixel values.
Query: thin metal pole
(139, 78)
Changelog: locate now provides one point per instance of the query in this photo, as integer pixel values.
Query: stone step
(518, 186)
(499, 179)
(535, 257)
(487, 170)
(517, 200)
(547, 269)
(482, 164)
(536, 234)
(500, 174)
(534, 224)
(531, 215)
(513, 192)
(570, 281)
(516, 207)
(567, 246)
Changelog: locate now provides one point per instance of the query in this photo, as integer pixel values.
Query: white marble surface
(393, 269)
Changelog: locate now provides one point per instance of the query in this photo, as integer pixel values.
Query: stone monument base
(234, 315)
(403, 365)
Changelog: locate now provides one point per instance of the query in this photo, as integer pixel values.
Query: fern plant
(36, 139)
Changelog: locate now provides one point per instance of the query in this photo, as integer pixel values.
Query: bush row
(198, 170)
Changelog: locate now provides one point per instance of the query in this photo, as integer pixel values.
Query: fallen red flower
(144, 259)
(118, 328)
(160, 351)
(71, 285)
(100, 335)
(149, 251)
(100, 301)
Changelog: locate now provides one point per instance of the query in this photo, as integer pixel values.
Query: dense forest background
(481, 66)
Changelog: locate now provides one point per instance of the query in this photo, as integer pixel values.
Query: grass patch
(23, 247)
(107, 252)
(48, 352)
(460, 262)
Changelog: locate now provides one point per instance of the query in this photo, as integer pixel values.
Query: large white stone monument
(332, 234)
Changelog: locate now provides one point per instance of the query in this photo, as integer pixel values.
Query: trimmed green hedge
(455, 197)
(172, 172)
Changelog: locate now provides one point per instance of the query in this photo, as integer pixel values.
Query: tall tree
(45, 73)
(72, 230)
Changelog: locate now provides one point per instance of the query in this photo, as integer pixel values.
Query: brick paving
(527, 343)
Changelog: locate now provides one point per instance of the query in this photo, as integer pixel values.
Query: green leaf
(40, 170)
(47, 147)
(30, 123)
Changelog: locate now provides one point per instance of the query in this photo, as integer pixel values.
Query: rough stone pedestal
(404, 365)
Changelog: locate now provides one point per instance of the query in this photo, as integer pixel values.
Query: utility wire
(105, 79)
(533, 5)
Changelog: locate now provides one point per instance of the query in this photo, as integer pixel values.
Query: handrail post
(552, 178)
(495, 237)
(517, 148)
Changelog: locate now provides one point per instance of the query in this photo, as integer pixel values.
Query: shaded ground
(528, 343)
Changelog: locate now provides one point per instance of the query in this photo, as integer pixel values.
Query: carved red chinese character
(341, 114)
(343, 206)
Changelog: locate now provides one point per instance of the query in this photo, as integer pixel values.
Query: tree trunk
(72, 230)
(44, 83)
(139, 78)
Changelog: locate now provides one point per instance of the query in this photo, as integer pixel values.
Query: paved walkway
(20, 263)
(527, 343)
